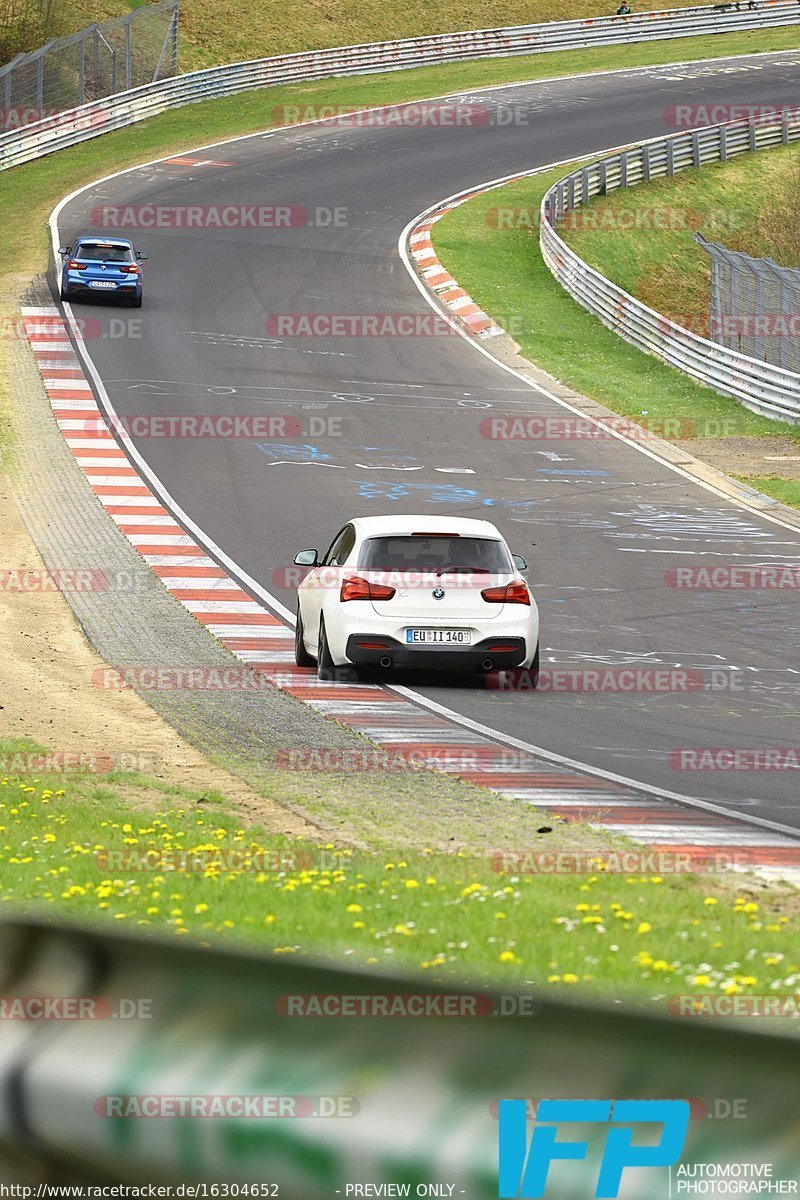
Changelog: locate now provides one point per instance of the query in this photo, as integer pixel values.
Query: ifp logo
(524, 1170)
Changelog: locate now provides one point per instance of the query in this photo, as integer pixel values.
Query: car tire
(64, 293)
(301, 655)
(326, 667)
(534, 668)
(135, 302)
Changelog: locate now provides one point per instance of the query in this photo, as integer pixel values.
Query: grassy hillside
(750, 204)
(215, 31)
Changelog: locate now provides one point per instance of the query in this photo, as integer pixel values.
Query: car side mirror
(520, 563)
(306, 558)
(141, 257)
(63, 251)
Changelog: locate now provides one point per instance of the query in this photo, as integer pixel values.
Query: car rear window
(94, 252)
(434, 554)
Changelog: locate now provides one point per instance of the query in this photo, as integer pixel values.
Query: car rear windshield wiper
(470, 570)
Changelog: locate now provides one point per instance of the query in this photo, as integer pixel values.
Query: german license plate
(438, 637)
(102, 283)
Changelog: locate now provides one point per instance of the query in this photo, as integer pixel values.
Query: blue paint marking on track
(437, 493)
(282, 450)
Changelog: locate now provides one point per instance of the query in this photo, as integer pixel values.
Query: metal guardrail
(419, 1092)
(762, 387)
(91, 120)
(98, 61)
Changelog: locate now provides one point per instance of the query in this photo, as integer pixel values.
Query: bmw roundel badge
(438, 593)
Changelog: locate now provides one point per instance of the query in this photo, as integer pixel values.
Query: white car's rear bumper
(357, 634)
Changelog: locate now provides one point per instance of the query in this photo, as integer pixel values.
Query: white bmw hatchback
(416, 591)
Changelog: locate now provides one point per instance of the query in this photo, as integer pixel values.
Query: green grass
(216, 31)
(450, 916)
(785, 490)
(503, 271)
(742, 203)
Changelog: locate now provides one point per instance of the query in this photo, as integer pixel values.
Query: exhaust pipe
(487, 664)
(385, 661)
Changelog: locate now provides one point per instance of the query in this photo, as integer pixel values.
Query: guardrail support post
(623, 169)
(696, 148)
(40, 86)
(82, 72)
(670, 157)
(174, 32)
(128, 76)
(645, 164)
(751, 129)
(785, 127)
(723, 143)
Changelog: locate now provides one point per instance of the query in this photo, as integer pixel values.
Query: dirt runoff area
(748, 456)
(46, 695)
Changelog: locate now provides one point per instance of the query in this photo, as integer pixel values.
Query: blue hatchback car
(99, 266)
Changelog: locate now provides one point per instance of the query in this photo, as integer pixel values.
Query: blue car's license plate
(102, 283)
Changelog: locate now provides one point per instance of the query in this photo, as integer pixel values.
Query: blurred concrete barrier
(141, 1061)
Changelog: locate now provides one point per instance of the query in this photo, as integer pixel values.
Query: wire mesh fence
(755, 306)
(99, 61)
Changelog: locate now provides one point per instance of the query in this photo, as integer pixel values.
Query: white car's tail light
(357, 588)
(511, 593)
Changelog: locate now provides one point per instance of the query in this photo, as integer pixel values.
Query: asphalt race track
(600, 523)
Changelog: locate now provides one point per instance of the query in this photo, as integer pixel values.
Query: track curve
(597, 530)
